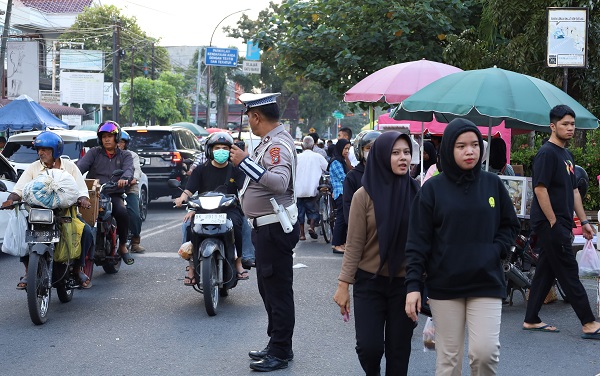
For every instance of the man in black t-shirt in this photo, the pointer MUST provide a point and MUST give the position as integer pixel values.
(556, 197)
(219, 175)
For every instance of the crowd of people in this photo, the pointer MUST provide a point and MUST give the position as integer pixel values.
(395, 225)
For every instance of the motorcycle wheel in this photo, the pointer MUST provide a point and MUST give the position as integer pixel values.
(38, 290)
(113, 264)
(210, 285)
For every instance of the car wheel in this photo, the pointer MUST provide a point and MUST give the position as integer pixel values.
(143, 204)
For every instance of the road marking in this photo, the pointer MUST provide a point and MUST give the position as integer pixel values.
(160, 229)
(158, 254)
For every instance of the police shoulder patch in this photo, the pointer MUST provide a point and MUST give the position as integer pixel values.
(275, 158)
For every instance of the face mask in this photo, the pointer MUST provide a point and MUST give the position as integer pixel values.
(366, 154)
(221, 155)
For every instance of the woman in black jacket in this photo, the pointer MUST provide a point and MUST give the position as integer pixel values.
(462, 224)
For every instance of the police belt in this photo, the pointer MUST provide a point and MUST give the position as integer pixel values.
(292, 212)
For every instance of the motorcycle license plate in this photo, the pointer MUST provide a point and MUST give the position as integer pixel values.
(210, 219)
(32, 236)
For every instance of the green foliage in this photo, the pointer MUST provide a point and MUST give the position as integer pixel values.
(151, 98)
(94, 27)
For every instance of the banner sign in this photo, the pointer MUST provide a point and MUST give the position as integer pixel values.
(22, 69)
(567, 37)
(85, 60)
(81, 87)
(252, 67)
(222, 57)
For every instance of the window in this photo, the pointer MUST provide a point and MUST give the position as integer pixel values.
(154, 140)
(23, 152)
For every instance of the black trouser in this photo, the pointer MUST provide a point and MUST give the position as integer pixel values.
(340, 228)
(557, 261)
(381, 324)
(275, 276)
(119, 211)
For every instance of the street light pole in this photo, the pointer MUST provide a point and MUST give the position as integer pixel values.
(208, 67)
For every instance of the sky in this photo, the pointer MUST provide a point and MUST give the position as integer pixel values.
(189, 22)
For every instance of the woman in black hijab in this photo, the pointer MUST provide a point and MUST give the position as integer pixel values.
(429, 159)
(374, 259)
(338, 168)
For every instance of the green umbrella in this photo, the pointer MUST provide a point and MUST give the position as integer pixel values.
(196, 129)
(489, 96)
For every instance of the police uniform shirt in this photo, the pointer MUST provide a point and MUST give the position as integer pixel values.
(271, 176)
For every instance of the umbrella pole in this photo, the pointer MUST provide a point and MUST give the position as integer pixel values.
(422, 136)
(371, 117)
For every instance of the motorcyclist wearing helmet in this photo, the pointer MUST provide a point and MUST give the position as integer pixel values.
(49, 147)
(216, 174)
(362, 145)
(133, 196)
(100, 162)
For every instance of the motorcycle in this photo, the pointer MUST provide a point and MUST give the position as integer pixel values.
(44, 273)
(106, 250)
(213, 248)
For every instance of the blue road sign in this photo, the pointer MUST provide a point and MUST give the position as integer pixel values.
(222, 57)
(252, 51)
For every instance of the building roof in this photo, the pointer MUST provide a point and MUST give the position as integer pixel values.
(57, 6)
(55, 109)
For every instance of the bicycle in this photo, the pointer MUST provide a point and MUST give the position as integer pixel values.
(326, 208)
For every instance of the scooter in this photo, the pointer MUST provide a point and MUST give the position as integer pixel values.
(213, 252)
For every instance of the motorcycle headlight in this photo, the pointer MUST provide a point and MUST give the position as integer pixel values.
(210, 202)
(37, 215)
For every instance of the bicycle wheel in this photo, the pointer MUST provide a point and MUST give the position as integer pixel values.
(325, 211)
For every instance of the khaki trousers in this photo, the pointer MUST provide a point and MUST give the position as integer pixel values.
(482, 318)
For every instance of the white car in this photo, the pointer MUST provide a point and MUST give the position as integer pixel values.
(8, 178)
(20, 153)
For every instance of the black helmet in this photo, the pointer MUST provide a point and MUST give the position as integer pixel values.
(364, 138)
(217, 138)
(582, 180)
(111, 127)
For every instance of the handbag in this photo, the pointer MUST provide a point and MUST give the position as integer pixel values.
(589, 263)
(14, 237)
(69, 245)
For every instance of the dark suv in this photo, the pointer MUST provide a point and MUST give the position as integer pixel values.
(164, 149)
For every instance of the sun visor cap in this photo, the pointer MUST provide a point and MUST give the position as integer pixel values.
(251, 100)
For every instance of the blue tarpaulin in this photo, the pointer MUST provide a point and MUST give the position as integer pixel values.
(24, 114)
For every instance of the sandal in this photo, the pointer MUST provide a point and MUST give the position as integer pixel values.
(312, 233)
(84, 281)
(127, 258)
(243, 275)
(22, 285)
(187, 280)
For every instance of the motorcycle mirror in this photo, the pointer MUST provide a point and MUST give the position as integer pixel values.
(173, 183)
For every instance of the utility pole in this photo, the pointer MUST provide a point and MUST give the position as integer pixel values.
(198, 87)
(116, 69)
(152, 74)
(131, 90)
(3, 45)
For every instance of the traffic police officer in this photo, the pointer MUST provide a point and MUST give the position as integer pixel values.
(270, 175)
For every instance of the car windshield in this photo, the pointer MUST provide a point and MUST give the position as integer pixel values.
(23, 152)
(156, 140)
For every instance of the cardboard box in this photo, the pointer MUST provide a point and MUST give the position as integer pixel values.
(90, 215)
(518, 169)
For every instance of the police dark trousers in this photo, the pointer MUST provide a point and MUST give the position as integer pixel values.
(557, 261)
(119, 211)
(381, 323)
(275, 277)
(340, 227)
(133, 209)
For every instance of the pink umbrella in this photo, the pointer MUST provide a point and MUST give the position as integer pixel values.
(395, 83)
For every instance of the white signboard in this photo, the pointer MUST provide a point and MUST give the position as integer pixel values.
(108, 93)
(72, 120)
(22, 69)
(567, 37)
(252, 67)
(80, 87)
(49, 96)
(86, 60)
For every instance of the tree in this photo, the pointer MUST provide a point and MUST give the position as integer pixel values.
(94, 27)
(182, 102)
(152, 99)
(339, 42)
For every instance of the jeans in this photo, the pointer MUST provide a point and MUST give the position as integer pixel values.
(133, 209)
(247, 246)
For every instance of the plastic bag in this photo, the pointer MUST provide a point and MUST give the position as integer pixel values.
(69, 245)
(185, 250)
(56, 189)
(589, 263)
(429, 335)
(14, 237)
